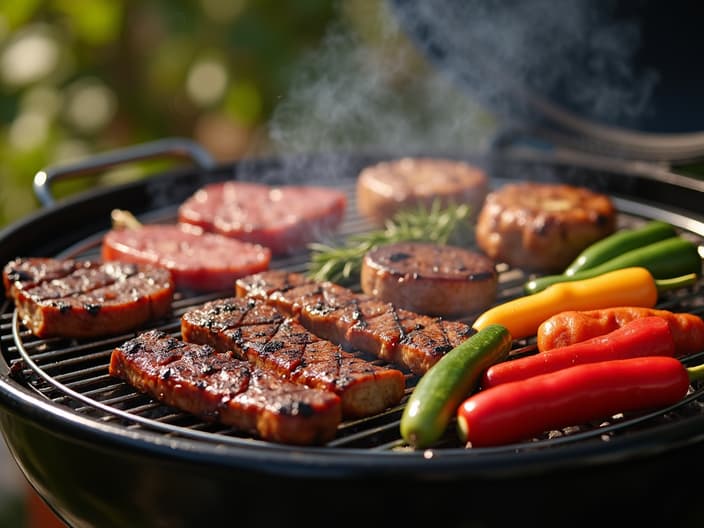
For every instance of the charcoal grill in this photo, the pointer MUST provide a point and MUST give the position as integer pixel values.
(102, 454)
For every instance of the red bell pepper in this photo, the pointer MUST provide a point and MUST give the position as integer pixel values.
(650, 336)
(577, 395)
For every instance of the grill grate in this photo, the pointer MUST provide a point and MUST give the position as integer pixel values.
(74, 374)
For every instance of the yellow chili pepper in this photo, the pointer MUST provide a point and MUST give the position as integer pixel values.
(633, 286)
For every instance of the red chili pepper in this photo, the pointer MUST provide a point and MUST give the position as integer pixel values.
(577, 395)
(573, 326)
(650, 336)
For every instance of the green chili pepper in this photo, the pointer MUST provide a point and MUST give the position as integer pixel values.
(667, 258)
(620, 242)
(434, 400)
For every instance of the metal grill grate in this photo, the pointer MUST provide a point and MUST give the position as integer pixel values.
(74, 374)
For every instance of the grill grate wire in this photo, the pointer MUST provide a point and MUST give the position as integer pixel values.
(74, 374)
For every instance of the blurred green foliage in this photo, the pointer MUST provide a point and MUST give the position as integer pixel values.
(83, 76)
(240, 77)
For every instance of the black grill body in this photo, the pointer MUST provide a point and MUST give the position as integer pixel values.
(102, 454)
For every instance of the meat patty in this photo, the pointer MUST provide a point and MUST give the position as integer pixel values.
(257, 332)
(429, 278)
(70, 298)
(356, 321)
(218, 387)
(198, 261)
(283, 218)
(389, 186)
(541, 226)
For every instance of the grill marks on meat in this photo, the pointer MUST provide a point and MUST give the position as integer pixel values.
(216, 386)
(259, 333)
(67, 298)
(357, 321)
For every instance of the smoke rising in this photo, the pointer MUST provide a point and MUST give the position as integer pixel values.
(488, 59)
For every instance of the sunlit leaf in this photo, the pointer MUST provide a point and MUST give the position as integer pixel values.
(94, 21)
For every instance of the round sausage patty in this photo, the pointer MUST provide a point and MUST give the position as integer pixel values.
(542, 226)
(389, 186)
(431, 279)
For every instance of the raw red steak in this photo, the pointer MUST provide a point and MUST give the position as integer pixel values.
(283, 218)
(198, 261)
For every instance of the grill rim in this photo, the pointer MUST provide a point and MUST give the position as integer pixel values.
(322, 461)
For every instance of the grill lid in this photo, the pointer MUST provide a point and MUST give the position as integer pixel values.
(614, 77)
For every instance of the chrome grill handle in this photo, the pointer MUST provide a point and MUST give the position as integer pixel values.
(163, 148)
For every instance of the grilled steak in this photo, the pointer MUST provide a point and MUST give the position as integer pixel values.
(198, 261)
(68, 298)
(259, 333)
(215, 386)
(432, 279)
(542, 226)
(283, 218)
(357, 321)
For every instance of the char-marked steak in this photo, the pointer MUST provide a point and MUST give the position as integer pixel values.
(215, 386)
(70, 298)
(259, 333)
(357, 321)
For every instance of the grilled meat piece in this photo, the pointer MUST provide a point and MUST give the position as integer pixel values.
(25, 273)
(542, 226)
(283, 218)
(67, 298)
(215, 386)
(257, 332)
(198, 261)
(385, 188)
(432, 279)
(358, 321)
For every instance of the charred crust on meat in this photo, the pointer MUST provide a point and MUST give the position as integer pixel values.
(16, 275)
(133, 346)
(208, 370)
(442, 349)
(297, 408)
(358, 315)
(236, 337)
(321, 308)
(165, 373)
(62, 306)
(272, 346)
(92, 308)
(394, 314)
(399, 256)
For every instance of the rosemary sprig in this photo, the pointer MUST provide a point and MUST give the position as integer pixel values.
(442, 225)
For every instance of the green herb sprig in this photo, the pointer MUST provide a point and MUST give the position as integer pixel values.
(442, 225)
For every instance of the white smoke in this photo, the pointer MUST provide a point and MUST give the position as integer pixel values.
(351, 96)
